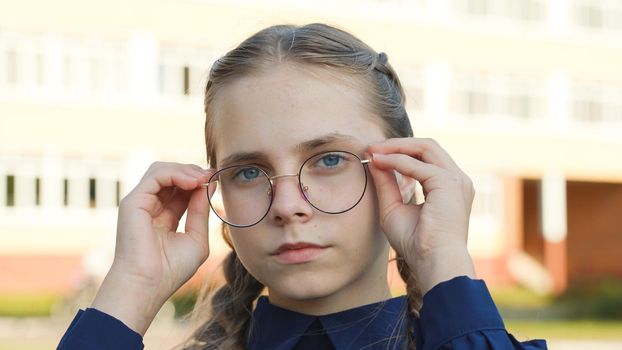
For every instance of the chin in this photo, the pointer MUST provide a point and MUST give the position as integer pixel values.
(304, 286)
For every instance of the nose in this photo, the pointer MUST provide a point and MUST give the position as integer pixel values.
(288, 201)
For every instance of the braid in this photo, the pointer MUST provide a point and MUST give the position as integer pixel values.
(413, 298)
(381, 63)
(231, 310)
(393, 100)
(388, 84)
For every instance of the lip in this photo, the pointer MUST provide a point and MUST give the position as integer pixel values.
(298, 253)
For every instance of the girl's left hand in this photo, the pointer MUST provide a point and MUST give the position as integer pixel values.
(431, 236)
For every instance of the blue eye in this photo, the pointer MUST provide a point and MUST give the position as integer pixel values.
(248, 174)
(331, 160)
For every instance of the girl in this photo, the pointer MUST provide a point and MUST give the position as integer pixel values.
(313, 156)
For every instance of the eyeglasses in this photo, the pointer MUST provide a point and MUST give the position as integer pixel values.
(332, 182)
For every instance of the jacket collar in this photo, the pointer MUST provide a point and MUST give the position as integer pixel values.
(374, 326)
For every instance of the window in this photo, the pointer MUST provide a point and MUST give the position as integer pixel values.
(118, 190)
(107, 65)
(173, 74)
(521, 10)
(92, 193)
(186, 80)
(39, 70)
(182, 71)
(588, 111)
(483, 94)
(488, 200)
(415, 98)
(37, 191)
(588, 14)
(598, 14)
(11, 67)
(526, 10)
(198, 79)
(65, 192)
(518, 105)
(10, 190)
(469, 95)
(478, 7)
(487, 213)
(598, 103)
(95, 77)
(412, 81)
(172, 79)
(476, 102)
(75, 72)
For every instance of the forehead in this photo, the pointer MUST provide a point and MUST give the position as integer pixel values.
(275, 111)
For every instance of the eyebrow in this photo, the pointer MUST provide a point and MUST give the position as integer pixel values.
(334, 137)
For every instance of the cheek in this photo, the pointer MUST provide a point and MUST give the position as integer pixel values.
(372, 219)
(247, 247)
(369, 206)
(363, 224)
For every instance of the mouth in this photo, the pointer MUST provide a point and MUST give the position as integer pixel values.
(298, 253)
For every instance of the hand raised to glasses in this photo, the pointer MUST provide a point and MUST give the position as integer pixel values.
(431, 236)
(151, 259)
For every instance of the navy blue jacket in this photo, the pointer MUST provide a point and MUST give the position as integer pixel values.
(457, 314)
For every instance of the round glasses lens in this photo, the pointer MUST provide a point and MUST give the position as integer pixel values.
(333, 182)
(245, 193)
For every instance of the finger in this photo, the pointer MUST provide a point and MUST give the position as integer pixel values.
(194, 168)
(387, 189)
(391, 207)
(158, 184)
(163, 175)
(423, 172)
(174, 209)
(189, 169)
(198, 215)
(176, 205)
(166, 194)
(176, 199)
(424, 149)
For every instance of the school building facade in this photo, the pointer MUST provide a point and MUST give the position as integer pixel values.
(525, 95)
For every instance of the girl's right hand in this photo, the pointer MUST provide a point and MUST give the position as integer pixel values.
(151, 259)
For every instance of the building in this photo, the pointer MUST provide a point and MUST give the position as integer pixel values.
(525, 94)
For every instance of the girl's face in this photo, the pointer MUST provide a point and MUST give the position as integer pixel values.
(270, 116)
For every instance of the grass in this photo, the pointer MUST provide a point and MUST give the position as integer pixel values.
(513, 297)
(527, 315)
(26, 305)
(21, 344)
(576, 315)
(566, 329)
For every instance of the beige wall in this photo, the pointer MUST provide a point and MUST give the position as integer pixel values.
(138, 124)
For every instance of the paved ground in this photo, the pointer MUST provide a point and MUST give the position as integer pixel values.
(40, 334)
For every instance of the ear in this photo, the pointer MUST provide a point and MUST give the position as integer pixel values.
(408, 188)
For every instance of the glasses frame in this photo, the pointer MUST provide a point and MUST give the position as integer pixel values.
(300, 186)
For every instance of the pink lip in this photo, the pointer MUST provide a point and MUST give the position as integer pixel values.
(298, 253)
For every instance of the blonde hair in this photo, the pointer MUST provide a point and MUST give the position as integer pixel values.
(316, 45)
